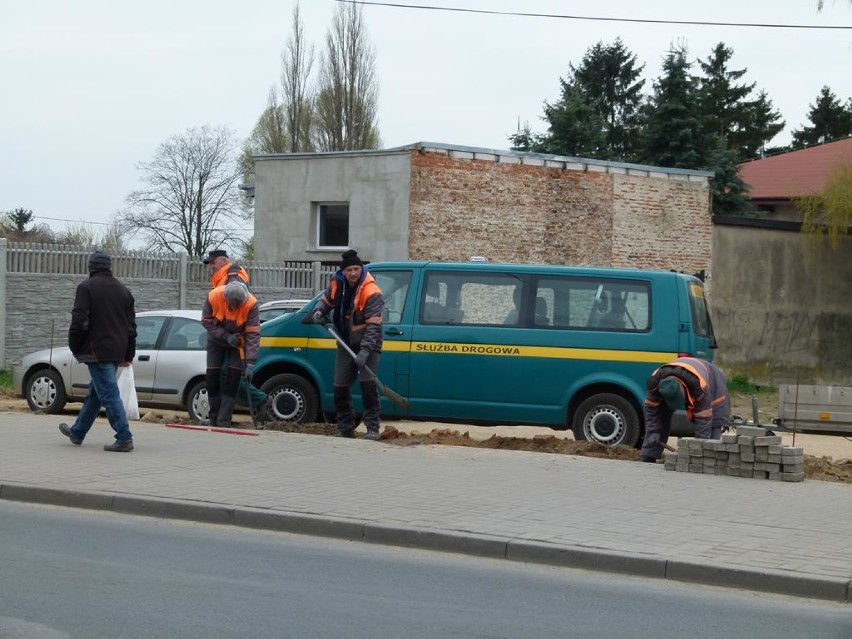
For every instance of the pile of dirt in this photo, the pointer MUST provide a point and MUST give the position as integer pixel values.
(821, 468)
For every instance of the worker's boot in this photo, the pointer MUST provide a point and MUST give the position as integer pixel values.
(343, 408)
(225, 412)
(372, 408)
(214, 390)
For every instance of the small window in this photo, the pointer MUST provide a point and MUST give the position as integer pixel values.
(332, 225)
(185, 335)
(148, 330)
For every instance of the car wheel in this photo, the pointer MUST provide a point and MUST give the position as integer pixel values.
(196, 402)
(291, 399)
(45, 391)
(607, 418)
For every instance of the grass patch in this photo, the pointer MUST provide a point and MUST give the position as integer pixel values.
(6, 380)
(742, 385)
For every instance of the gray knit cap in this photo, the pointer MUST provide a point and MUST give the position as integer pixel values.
(236, 293)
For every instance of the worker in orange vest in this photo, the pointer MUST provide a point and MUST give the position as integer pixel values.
(232, 321)
(357, 305)
(689, 383)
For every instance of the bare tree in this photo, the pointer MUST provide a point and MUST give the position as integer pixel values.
(285, 125)
(191, 202)
(296, 63)
(346, 109)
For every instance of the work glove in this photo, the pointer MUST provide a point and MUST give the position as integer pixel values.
(233, 340)
(361, 358)
(319, 318)
(249, 372)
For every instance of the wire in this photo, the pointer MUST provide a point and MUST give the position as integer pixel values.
(397, 5)
(62, 219)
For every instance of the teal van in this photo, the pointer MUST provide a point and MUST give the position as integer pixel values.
(474, 342)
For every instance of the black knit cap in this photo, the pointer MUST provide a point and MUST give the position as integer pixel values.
(212, 255)
(350, 258)
(99, 261)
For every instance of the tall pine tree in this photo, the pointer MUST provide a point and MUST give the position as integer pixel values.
(673, 133)
(830, 120)
(744, 125)
(597, 113)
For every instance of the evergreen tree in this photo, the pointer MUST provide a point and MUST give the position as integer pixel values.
(730, 193)
(744, 125)
(673, 132)
(597, 113)
(765, 123)
(830, 120)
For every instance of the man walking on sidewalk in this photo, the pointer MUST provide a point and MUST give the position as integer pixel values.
(102, 335)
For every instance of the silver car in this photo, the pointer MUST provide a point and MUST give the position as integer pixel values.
(169, 367)
(277, 308)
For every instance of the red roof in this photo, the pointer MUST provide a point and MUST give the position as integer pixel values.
(795, 173)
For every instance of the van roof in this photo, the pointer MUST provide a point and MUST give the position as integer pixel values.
(527, 268)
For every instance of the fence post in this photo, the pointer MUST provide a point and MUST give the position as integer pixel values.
(181, 280)
(316, 277)
(3, 256)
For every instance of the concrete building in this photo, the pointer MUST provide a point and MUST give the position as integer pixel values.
(449, 202)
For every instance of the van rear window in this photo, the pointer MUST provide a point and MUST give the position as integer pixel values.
(597, 303)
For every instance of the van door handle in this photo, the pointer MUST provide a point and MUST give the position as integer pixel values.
(393, 331)
(144, 358)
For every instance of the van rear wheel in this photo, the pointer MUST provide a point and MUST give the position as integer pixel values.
(606, 418)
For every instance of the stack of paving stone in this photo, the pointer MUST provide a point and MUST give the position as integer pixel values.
(748, 453)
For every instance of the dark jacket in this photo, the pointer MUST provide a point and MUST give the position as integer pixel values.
(103, 322)
(707, 400)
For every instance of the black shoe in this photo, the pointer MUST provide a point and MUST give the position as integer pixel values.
(348, 434)
(373, 435)
(650, 460)
(65, 430)
(120, 447)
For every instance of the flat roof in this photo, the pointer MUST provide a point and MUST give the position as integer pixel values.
(509, 157)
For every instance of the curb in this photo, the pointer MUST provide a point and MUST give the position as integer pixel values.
(836, 589)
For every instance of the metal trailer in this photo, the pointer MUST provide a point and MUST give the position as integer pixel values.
(814, 409)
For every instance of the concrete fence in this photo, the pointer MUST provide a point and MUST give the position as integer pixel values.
(38, 282)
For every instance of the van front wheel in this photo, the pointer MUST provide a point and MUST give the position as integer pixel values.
(291, 399)
(606, 418)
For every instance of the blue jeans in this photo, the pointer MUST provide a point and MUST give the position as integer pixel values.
(103, 391)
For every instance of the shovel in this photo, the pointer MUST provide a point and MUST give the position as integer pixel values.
(396, 398)
(246, 381)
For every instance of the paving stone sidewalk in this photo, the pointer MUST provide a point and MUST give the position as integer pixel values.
(792, 538)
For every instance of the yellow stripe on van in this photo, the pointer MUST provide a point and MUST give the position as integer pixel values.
(284, 342)
(550, 352)
(499, 350)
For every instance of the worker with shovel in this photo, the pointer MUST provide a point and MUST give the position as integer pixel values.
(357, 305)
(689, 383)
(232, 321)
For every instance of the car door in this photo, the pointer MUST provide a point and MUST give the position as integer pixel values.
(148, 330)
(181, 357)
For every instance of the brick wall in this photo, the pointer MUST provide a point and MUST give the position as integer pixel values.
(513, 212)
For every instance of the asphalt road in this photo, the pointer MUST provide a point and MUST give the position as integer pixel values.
(69, 573)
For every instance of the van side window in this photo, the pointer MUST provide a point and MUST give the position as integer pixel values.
(470, 298)
(594, 303)
(394, 286)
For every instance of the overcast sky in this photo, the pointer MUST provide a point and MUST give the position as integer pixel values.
(92, 87)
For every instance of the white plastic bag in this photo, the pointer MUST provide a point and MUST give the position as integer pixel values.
(127, 390)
